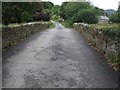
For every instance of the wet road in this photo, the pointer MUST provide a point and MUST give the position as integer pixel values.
(56, 58)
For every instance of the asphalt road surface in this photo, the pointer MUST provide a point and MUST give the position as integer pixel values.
(0, 60)
(56, 58)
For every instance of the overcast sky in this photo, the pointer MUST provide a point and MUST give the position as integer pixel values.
(104, 4)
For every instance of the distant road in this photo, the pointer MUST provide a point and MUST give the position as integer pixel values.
(56, 58)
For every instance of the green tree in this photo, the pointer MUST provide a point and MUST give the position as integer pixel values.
(82, 11)
(116, 17)
(26, 17)
(86, 16)
(18, 12)
(68, 9)
(47, 5)
(118, 12)
(55, 10)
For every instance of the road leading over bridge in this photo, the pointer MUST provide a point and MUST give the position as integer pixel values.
(56, 58)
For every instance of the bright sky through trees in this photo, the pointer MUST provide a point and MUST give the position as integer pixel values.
(104, 4)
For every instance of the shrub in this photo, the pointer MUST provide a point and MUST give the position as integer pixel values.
(41, 17)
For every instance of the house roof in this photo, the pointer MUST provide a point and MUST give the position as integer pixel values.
(104, 17)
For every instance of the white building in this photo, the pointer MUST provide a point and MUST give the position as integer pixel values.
(103, 19)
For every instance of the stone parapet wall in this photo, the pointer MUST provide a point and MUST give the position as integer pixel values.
(12, 35)
(105, 40)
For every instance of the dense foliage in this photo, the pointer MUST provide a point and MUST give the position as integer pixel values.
(41, 17)
(85, 15)
(80, 12)
(116, 17)
(55, 10)
(18, 12)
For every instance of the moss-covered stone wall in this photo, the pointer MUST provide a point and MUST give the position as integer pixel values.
(11, 35)
(104, 38)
